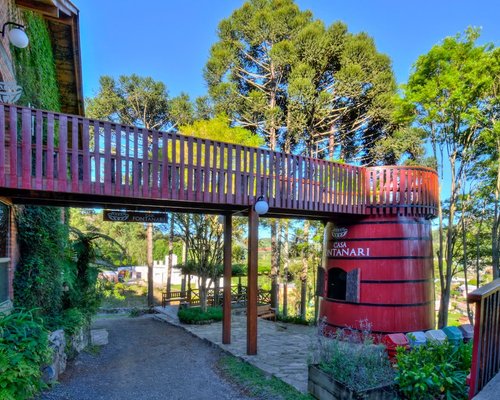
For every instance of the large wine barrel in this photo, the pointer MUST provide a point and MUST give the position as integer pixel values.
(378, 269)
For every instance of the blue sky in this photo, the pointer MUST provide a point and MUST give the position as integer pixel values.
(170, 40)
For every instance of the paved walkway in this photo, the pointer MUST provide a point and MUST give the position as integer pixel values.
(282, 349)
(491, 390)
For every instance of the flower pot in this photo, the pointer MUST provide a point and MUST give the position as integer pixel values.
(324, 387)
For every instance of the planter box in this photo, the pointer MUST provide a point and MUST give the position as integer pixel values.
(323, 387)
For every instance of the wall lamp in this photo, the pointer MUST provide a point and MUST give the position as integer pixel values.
(16, 35)
(261, 207)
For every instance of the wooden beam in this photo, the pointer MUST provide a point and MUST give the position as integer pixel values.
(253, 237)
(226, 307)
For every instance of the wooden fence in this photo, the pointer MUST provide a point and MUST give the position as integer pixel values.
(486, 350)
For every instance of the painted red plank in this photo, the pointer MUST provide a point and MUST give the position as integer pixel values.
(213, 186)
(164, 166)
(206, 171)
(26, 148)
(288, 177)
(136, 167)
(2, 145)
(155, 178)
(191, 195)
(97, 158)
(237, 171)
(63, 154)
(118, 160)
(182, 169)
(13, 146)
(86, 156)
(74, 155)
(145, 163)
(271, 196)
(277, 181)
(198, 183)
(108, 170)
(175, 179)
(128, 173)
(251, 177)
(38, 150)
(222, 174)
(229, 193)
(50, 151)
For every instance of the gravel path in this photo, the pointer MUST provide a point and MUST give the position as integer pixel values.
(145, 359)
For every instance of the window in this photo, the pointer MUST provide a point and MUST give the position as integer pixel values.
(337, 284)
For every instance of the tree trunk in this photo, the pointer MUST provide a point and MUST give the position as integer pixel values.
(170, 256)
(149, 239)
(286, 264)
(274, 264)
(464, 249)
(495, 233)
(203, 294)
(184, 261)
(304, 271)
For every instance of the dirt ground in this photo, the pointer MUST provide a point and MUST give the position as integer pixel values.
(145, 359)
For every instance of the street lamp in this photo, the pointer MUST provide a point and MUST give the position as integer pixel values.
(261, 206)
(16, 35)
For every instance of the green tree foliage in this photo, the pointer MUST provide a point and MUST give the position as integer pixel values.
(248, 67)
(219, 129)
(450, 93)
(131, 100)
(43, 247)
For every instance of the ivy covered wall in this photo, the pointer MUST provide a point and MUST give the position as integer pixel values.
(35, 68)
(42, 237)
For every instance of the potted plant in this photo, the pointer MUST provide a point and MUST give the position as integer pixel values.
(347, 365)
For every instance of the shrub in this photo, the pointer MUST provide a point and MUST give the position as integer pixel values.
(295, 319)
(434, 371)
(194, 315)
(24, 350)
(352, 358)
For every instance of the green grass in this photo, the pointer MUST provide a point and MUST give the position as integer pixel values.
(255, 383)
(453, 319)
(194, 315)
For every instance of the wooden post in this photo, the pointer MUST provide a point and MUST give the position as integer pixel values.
(253, 228)
(226, 307)
(149, 239)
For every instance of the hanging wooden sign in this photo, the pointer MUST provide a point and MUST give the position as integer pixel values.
(133, 216)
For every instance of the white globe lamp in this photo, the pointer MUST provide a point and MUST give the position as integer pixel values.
(16, 35)
(261, 207)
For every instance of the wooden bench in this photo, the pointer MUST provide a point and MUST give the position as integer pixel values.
(266, 312)
(174, 296)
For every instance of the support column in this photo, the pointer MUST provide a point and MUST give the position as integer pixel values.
(253, 228)
(226, 306)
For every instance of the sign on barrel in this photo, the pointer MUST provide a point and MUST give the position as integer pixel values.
(134, 216)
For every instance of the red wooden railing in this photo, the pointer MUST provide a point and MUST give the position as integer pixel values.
(486, 349)
(64, 154)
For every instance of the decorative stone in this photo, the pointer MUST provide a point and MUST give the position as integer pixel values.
(57, 342)
(99, 337)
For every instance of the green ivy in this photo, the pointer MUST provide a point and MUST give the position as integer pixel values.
(35, 66)
(23, 349)
(42, 240)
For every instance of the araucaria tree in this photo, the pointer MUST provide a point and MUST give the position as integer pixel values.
(303, 87)
(451, 94)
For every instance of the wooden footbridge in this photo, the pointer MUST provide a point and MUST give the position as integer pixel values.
(49, 158)
(59, 159)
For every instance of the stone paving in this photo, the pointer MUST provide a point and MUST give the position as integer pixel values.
(282, 349)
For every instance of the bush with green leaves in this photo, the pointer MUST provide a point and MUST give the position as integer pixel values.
(194, 315)
(434, 371)
(24, 350)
